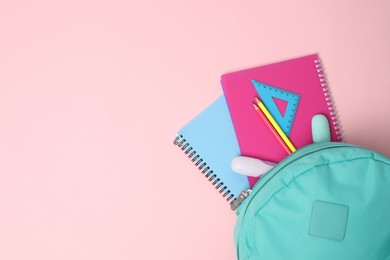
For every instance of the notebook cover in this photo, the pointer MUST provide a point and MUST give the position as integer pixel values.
(210, 142)
(301, 76)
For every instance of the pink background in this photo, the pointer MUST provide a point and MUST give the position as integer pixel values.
(92, 93)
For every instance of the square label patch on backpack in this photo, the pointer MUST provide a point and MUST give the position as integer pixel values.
(328, 220)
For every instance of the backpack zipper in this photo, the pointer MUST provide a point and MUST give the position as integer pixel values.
(237, 202)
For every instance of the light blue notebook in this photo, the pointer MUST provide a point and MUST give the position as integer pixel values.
(210, 142)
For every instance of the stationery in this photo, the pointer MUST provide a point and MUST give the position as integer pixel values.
(209, 141)
(275, 126)
(273, 130)
(293, 91)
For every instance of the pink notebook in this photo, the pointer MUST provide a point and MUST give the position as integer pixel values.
(293, 91)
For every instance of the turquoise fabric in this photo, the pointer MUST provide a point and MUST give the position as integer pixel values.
(325, 201)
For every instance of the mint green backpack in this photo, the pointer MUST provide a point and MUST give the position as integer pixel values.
(325, 201)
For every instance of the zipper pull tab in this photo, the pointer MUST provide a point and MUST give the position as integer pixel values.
(237, 202)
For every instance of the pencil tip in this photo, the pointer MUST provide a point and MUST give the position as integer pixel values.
(257, 100)
(255, 106)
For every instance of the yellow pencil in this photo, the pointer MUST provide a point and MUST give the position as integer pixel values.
(275, 125)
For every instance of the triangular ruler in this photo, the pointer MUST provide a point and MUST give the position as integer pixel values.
(267, 94)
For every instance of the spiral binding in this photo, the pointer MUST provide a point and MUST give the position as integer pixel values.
(202, 166)
(328, 97)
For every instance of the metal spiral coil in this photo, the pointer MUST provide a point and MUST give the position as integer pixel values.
(334, 119)
(202, 166)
